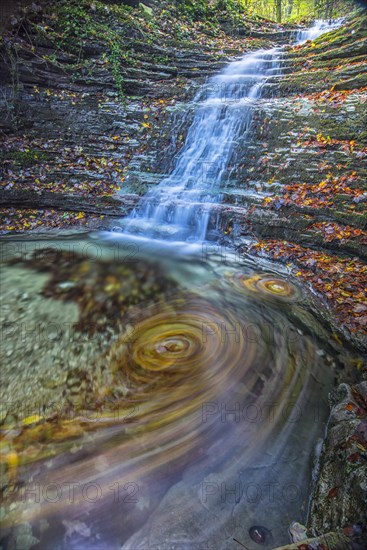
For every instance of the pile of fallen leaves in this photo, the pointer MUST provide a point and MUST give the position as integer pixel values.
(39, 165)
(331, 96)
(347, 146)
(12, 219)
(318, 195)
(336, 232)
(341, 281)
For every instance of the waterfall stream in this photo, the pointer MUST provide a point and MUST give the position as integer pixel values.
(179, 207)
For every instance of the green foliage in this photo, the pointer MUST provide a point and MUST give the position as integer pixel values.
(195, 9)
(25, 158)
(284, 10)
(115, 56)
(76, 21)
(231, 6)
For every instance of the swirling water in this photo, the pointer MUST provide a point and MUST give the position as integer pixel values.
(200, 416)
(203, 415)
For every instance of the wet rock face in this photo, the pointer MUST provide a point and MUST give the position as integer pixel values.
(340, 496)
(63, 106)
(302, 142)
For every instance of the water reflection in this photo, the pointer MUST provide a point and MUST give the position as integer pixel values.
(193, 419)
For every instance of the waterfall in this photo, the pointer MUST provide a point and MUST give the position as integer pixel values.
(319, 27)
(179, 207)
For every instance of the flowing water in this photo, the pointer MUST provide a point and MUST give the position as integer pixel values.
(183, 405)
(178, 208)
(318, 28)
(196, 420)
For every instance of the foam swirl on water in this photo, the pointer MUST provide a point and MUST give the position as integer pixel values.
(178, 358)
(269, 287)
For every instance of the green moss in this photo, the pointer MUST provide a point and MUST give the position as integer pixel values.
(29, 157)
(75, 27)
(333, 63)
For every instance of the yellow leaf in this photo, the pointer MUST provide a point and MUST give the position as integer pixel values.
(31, 419)
(80, 215)
(12, 459)
(337, 339)
(359, 364)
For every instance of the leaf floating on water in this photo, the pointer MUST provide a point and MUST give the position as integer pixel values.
(267, 286)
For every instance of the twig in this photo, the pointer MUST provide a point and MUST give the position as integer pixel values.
(240, 543)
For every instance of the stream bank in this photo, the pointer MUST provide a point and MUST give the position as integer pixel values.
(304, 176)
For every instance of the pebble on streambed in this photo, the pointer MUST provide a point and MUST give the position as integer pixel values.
(260, 534)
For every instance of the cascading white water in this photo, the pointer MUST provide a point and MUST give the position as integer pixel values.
(179, 207)
(319, 27)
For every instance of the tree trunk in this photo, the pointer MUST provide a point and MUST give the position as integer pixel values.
(290, 8)
(329, 8)
(279, 10)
